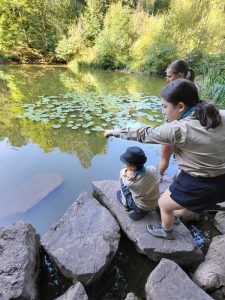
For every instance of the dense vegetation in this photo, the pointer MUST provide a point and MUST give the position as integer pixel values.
(137, 35)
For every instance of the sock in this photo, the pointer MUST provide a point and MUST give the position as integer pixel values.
(167, 230)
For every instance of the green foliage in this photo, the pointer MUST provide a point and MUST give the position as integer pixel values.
(154, 6)
(160, 56)
(82, 34)
(113, 43)
(140, 35)
(29, 29)
(211, 80)
(193, 25)
(74, 43)
(195, 58)
(149, 30)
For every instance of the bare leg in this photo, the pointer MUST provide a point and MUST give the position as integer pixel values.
(169, 208)
(183, 212)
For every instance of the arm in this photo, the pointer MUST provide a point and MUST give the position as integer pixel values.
(161, 134)
(127, 175)
(166, 152)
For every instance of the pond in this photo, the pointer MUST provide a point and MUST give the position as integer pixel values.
(52, 119)
(51, 123)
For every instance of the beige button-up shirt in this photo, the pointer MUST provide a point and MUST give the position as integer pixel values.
(144, 188)
(199, 152)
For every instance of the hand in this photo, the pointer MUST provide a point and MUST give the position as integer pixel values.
(108, 133)
(130, 175)
(123, 172)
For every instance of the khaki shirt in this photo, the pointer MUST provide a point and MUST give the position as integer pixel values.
(199, 152)
(144, 188)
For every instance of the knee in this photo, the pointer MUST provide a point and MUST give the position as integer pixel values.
(165, 206)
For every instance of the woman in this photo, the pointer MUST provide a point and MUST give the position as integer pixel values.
(176, 70)
(196, 132)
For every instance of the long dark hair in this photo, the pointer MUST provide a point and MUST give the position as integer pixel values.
(183, 90)
(181, 66)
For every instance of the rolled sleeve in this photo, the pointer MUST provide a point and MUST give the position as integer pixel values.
(164, 134)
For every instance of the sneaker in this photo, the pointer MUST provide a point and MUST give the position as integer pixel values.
(122, 199)
(136, 215)
(158, 231)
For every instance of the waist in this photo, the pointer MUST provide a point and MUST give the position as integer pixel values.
(207, 179)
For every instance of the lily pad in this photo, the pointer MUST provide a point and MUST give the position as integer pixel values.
(56, 126)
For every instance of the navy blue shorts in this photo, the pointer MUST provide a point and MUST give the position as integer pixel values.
(198, 193)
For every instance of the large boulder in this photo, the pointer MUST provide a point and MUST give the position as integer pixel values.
(210, 274)
(219, 221)
(19, 262)
(75, 292)
(169, 282)
(84, 241)
(182, 249)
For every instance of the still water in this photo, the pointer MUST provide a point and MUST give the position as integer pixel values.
(34, 142)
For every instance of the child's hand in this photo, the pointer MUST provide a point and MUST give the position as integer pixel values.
(123, 172)
(108, 133)
(130, 175)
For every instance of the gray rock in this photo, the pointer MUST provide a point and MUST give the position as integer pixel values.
(182, 249)
(219, 221)
(131, 296)
(210, 274)
(75, 292)
(19, 262)
(169, 282)
(84, 241)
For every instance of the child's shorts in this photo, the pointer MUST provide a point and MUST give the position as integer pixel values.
(198, 193)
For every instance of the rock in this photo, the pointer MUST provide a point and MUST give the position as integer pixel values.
(31, 192)
(131, 296)
(182, 249)
(19, 262)
(219, 221)
(169, 281)
(165, 183)
(210, 274)
(75, 292)
(84, 241)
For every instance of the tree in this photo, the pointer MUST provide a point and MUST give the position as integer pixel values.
(113, 43)
(31, 28)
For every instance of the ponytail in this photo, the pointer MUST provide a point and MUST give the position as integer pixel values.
(191, 74)
(208, 114)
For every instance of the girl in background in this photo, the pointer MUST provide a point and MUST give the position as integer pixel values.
(176, 70)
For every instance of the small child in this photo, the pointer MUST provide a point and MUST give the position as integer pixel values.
(139, 184)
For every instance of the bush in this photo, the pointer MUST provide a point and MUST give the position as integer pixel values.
(149, 32)
(160, 57)
(113, 43)
(73, 44)
(212, 83)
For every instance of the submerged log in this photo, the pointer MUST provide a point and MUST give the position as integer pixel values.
(31, 192)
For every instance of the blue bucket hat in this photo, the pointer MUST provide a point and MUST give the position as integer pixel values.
(133, 156)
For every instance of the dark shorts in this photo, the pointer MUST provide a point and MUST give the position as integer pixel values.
(198, 193)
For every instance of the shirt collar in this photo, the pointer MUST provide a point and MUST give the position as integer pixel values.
(187, 113)
(140, 171)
